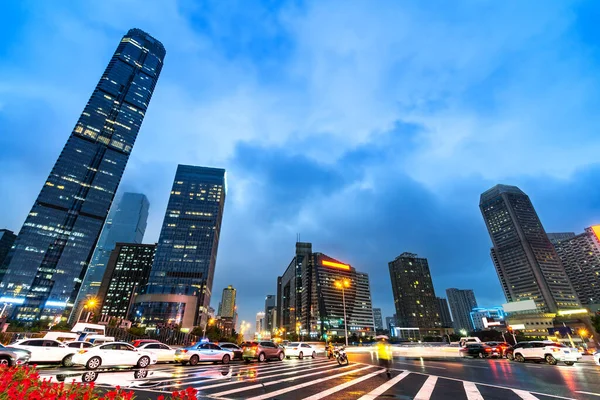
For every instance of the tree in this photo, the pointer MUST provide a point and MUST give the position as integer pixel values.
(596, 323)
(61, 326)
(137, 331)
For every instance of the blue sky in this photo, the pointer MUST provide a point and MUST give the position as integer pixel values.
(370, 129)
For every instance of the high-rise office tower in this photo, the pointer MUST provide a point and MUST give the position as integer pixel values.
(314, 288)
(390, 323)
(269, 305)
(57, 239)
(580, 255)
(228, 302)
(7, 239)
(377, 318)
(444, 312)
(414, 296)
(125, 275)
(181, 279)
(125, 223)
(560, 236)
(260, 322)
(526, 261)
(461, 302)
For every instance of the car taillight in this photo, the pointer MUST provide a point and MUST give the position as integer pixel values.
(554, 350)
(295, 348)
(488, 350)
(82, 351)
(184, 351)
(495, 349)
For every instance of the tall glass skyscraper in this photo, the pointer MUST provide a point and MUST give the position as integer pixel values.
(181, 279)
(57, 239)
(462, 302)
(125, 223)
(527, 264)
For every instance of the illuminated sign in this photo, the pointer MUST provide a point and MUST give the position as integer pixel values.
(596, 230)
(12, 300)
(518, 326)
(570, 312)
(51, 303)
(326, 263)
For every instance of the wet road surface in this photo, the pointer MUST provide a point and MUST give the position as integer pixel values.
(362, 379)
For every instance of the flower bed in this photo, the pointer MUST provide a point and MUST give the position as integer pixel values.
(20, 383)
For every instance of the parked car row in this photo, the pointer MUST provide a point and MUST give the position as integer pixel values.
(537, 351)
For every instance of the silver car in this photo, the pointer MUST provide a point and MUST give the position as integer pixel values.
(21, 356)
(203, 352)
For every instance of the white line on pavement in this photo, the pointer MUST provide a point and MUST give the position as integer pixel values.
(593, 394)
(343, 386)
(471, 391)
(303, 385)
(524, 394)
(427, 389)
(382, 389)
(256, 379)
(220, 394)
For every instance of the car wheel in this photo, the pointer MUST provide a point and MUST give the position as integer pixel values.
(140, 374)
(281, 356)
(261, 357)
(143, 362)
(480, 355)
(510, 357)
(550, 359)
(225, 359)
(93, 363)
(5, 361)
(569, 363)
(89, 376)
(194, 360)
(67, 361)
(314, 354)
(300, 356)
(519, 357)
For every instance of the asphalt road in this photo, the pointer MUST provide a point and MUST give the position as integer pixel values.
(362, 379)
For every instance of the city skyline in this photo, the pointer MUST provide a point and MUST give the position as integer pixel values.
(382, 173)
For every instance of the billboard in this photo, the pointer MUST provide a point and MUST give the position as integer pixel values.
(525, 305)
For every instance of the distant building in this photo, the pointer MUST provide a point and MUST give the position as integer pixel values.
(560, 237)
(377, 319)
(270, 301)
(526, 261)
(461, 302)
(126, 223)
(444, 312)
(56, 242)
(7, 239)
(580, 255)
(390, 323)
(126, 273)
(414, 295)
(181, 279)
(310, 303)
(488, 318)
(228, 302)
(260, 322)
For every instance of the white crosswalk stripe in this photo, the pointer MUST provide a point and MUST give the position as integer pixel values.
(313, 379)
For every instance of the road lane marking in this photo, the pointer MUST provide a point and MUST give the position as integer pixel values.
(593, 394)
(383, 388)
(471, 391)
(270, 383)
(427, 389)
(419, 365)
(343, 386)
(525, 395)
(303, 385)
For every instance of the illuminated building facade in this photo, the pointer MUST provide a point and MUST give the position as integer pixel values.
(180, 284)
(580, 255)
(227, 309)
(461, 302)
(125, 223)
(414, 295)
(445, 316)
(126, 273)
(377, 319)
(488, 318)
(311, 305)
(58, 237)
(526, 261)
(269, 307)
(7, 239)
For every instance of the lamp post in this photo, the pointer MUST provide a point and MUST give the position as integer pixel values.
(210, 321)
(89, 304)
(345, 283)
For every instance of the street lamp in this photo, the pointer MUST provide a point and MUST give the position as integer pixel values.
(209, 322)
(345, 283)
(89, 304)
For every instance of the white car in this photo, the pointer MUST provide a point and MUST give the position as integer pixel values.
(203, 352)
(300, 350)
(549, 351)
(47, 351)
(112, 355)
(163, 352)
(597, 357)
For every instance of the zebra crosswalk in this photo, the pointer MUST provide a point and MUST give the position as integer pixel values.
(310, 379)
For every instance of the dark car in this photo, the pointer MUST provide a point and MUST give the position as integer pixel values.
(139, 342)
(237, 350)
(476, 350)
(498, 348)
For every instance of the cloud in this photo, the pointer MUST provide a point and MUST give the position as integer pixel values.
(369, 130)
